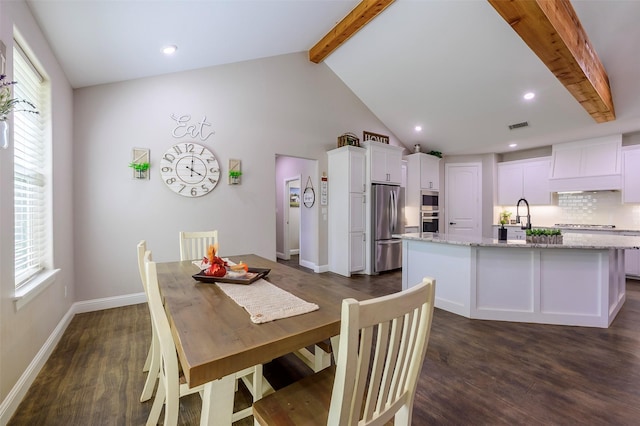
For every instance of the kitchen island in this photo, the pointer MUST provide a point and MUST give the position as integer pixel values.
(580, 282)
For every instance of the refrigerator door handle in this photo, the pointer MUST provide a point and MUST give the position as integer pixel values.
(394, 211)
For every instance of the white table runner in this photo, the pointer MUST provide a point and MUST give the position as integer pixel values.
(265, 302)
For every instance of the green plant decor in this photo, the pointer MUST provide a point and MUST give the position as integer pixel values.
(504, 217)
(435, 153)
(141, 168)
(235, 173)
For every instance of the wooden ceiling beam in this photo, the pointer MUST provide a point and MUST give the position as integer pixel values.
(551, 29)
(360, 16)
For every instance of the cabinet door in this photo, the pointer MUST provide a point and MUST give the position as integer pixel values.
(394, 166)
(356, 172)
(509, 183)
(632, 262)
(430, 172)
(357, 251)
(631, 177)
(356, 212)
(535, 182)
(378, 165)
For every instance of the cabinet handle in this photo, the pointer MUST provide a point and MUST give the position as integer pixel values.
(452, 223)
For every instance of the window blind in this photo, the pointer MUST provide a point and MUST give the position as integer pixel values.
(29, 171)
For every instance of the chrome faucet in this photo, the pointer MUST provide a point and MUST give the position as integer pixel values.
(528, 225)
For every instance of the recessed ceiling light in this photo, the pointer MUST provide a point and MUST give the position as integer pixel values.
(513, 145)
(529, 95)
(418, 128)
(169, 50)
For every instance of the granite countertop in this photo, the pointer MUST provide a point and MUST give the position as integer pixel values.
(570, 241)
(577, 228)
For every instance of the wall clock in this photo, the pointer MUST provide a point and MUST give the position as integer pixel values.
(189, 169)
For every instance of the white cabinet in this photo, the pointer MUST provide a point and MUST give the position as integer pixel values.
(423, 172)
(385, 162)
(632, 259)
(346, 207)
(631, 176)
(527, 179)
(429, 172)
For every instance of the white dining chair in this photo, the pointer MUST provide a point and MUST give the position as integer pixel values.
(194, 245)
(152, 363)
(383, 342)
(171, 386)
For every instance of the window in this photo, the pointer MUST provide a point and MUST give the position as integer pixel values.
(31, 172)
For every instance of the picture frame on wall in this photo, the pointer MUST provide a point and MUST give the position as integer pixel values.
(294, 197)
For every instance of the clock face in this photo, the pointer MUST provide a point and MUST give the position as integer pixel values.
(190, 169)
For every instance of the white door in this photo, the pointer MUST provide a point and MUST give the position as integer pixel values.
(463, 194)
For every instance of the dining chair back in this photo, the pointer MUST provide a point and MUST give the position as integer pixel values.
(152, 363)
(194, 245)
(383, 342)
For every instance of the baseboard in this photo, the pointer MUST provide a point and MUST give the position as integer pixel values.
(19, 390)
(109, 302)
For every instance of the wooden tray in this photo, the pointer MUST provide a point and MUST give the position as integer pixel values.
(253, 274)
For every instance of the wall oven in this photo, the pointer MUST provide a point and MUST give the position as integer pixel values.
(430, 221)
(429, 201)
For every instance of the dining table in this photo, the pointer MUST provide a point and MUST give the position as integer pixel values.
(215, 337)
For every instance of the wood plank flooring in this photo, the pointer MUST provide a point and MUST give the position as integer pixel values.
(476, 372)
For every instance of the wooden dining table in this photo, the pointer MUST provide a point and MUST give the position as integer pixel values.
(215, 337)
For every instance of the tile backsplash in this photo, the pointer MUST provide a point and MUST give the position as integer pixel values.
(587, 208)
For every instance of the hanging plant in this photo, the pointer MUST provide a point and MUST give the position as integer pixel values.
(141, 168)
(9, 104)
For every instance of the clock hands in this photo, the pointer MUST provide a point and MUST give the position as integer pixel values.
(194, 171)
(192, 166)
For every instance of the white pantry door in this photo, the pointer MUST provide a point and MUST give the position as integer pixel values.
(463, 194)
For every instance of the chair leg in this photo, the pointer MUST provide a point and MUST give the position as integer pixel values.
(154, 369)
(156, 408)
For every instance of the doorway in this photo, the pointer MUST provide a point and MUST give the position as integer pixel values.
(291, 209)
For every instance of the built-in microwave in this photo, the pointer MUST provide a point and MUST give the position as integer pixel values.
(430, 221)
(429, 201)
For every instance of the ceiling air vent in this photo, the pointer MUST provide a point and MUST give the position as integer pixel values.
(518, 125)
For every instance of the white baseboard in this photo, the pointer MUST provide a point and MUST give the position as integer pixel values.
(19, 390)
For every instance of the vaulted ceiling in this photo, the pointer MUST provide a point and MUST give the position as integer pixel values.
(456, 68)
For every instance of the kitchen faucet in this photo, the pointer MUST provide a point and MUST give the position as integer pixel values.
(528, 226)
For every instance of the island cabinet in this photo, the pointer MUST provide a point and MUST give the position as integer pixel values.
(346, 208)
(385, 162)
(580, 282)
(632, 259)
(631, 176)
(527, 179)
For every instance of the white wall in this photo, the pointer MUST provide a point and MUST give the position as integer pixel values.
(24, 332)
(282, 105)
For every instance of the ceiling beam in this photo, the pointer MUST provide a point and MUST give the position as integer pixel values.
(553, 31)
(360, 16)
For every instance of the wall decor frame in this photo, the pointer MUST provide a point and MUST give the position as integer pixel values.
(369, 136)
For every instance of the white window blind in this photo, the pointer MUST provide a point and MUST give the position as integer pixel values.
(30, 177)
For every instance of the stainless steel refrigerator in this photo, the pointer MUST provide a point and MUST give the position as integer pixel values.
(387, 219)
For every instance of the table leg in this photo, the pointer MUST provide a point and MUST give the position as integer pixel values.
(217, 402)
(335, 346)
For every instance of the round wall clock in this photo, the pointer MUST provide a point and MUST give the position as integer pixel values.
(189, 169)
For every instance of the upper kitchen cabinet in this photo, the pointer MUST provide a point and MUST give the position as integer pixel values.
(589, 165)
(527, 179)
(631, 176)
(423, 170)
(385, 162)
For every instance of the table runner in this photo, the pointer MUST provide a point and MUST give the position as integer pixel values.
(266, 302)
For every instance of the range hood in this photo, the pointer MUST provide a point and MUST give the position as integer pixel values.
(587, 165)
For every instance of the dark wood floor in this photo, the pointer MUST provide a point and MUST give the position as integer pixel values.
(475, 373)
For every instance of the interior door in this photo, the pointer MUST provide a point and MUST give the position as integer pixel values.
(463, 195)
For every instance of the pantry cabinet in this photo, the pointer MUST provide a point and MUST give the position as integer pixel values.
(346, 209)
(385, 162)
(527, 179)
